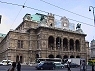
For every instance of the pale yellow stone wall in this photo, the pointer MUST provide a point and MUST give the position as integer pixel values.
(36, 38)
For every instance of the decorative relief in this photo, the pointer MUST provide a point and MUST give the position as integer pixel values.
(43, 43)
(64, 22)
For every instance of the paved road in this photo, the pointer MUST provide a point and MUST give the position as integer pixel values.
(31, 68)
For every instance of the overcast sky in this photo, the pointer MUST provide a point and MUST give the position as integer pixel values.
(12, 15)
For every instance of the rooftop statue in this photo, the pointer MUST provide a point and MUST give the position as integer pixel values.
(78, 26)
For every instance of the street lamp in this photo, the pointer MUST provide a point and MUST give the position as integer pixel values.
(0, 18)
(93, 12)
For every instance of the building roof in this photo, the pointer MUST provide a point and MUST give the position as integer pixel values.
(93, 41)
(2, 35)
(36, 17)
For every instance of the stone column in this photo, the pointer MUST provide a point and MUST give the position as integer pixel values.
(68, 45)
(62, 44)
(54, 47)
(74, 46)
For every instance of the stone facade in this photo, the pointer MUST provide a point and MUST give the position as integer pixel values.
(32, 39)
(92, 48)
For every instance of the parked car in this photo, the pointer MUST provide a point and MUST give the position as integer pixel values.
(72, 65)
(58, 65)
(45, 65)
(6, 62)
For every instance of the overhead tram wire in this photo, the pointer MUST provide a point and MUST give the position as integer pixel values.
(58, 16)
(65, 9)
(11, 3)
(44, 12)
(18, 14)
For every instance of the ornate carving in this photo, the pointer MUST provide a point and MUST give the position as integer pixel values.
(43, 43)
(64, 22)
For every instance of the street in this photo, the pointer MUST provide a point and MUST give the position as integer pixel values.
(32, 68)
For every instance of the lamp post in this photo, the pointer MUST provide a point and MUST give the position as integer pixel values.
(93, 12)
(0, 18)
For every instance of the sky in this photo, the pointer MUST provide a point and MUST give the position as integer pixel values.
(12, 15)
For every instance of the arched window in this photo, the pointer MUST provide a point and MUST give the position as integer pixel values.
(65, 56)
(77, 56)
(37, 55)
(71, 56)
(65, 44)
(51, 42)
(51, 56)
(58, 56)
(77, 45)
(71, 44)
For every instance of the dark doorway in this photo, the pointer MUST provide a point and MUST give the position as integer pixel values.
(65, 44)
(65, 56)
(37, 55)
(17, 58)
(71, 56)
(77, 56)
(51, 42)
(71, 44)
(21, 59)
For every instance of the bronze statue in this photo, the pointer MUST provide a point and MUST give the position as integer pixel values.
(78, 26)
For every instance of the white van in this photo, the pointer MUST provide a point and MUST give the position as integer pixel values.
(6, 62)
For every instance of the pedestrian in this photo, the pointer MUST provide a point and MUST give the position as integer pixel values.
(84, 66)
(18, 66)
(13, 68)
(92, 67)
(68, 66)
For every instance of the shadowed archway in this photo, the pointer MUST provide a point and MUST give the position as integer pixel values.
(65, 56)
(77, 56)
(58, 56)
(71, 56)
(51, 56)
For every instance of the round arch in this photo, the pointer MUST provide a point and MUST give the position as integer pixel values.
(37, 55)
(65, 44)
(77, 45)
(77, 56)
(71, 41)
(71, 56)
(51, 42)
(58, 56)
(65, 56)
(51, 56)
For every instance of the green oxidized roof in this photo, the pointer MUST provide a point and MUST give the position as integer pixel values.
(2, 35)
(36, 17)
